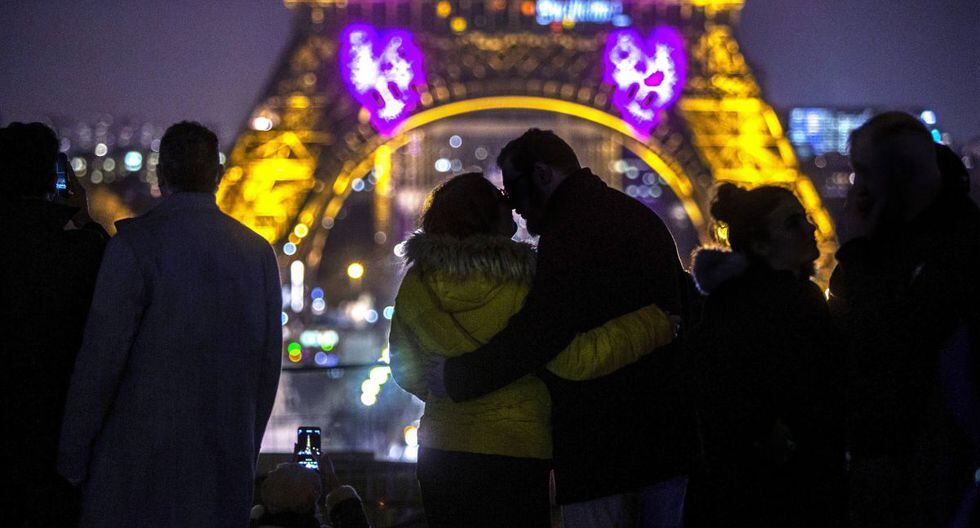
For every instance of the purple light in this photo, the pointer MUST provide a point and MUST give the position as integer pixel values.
(648, 76)
(383, 71)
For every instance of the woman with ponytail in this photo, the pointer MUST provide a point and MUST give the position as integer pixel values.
(766, 372)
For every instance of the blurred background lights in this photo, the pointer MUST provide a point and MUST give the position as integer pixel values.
(368, 399)
(371, 316)
(369, 386)
(316, 293)
(301, 230)
(318, 305)
(133, 161)
(928, 117)
(443, 9)
(443, 165)
(379, 375)
(355, 270)
(289, 248)
(411, 434)
(388, 312)
(262, 123)
(455, 141)
(101, 150)
(296, 276)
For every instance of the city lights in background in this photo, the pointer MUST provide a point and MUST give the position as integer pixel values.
(133, 161)
(577, 11)
(262, 123)
(297, 273)
(377, 377)
(383, 71)
(648, 76)
(355, 270)
(816, 131)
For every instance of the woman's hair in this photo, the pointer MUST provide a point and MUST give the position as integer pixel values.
(464, 206)
(746, 212)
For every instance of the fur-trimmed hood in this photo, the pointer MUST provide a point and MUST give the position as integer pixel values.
(713, 267)
(463, 273)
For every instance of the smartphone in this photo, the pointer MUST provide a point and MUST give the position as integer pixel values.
(61, 169)
(307, 449)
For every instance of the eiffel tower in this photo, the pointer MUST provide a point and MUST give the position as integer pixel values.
(360, 77)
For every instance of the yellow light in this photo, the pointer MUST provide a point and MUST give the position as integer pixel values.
(355, 270)
(443, 9)
(379, 375)
(568, 23)
(295, 357)
(299, 101)
(678, 183)
(527, 8)
(371, 387)
(411, 434)
(301, 230)
(721, 233)
(458, 24)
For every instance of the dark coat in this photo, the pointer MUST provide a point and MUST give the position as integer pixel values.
(768, 374)
(178, 371)
(899, 298)
(601, 255)
(47, 275)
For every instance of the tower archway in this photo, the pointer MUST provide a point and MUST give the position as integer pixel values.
(696, 119)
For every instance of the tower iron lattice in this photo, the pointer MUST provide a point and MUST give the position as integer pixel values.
(310, 136)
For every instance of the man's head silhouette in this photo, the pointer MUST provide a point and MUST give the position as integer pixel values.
(189, 159)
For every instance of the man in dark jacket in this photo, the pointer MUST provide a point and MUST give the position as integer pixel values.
(903, 287)
(601, 254)
(179, 367)
(50, 252)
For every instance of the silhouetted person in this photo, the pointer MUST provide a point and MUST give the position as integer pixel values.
(50, 252)
(180, 362)
(904, 285)
(621, 442)
(294, 496)
(486, 462)
(768, 372)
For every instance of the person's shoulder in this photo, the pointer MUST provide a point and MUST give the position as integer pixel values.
(412, 288)
(244, 234)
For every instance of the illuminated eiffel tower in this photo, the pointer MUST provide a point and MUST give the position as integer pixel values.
(664, 78)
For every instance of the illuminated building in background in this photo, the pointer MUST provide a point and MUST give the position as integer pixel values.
(376, 103)
(819, 136)
(115, 159)
(816, 131)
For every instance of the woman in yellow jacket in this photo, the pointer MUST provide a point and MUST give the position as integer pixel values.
(485, 462)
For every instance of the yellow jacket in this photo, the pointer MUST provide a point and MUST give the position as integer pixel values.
(457, 295)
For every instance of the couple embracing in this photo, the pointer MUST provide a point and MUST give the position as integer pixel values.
(561, 359)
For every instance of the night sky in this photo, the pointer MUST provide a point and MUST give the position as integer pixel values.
(163, 61)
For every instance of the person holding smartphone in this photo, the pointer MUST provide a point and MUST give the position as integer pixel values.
(50, 251)
(305, 493)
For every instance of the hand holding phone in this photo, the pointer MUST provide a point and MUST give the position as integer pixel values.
(307, 448)
(69, 191)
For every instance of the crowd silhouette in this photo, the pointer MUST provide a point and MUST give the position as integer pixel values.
(586, 381)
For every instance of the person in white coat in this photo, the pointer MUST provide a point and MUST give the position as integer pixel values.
(180, 362)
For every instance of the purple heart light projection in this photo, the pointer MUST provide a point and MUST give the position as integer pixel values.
(648, 76)
(383, 70)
